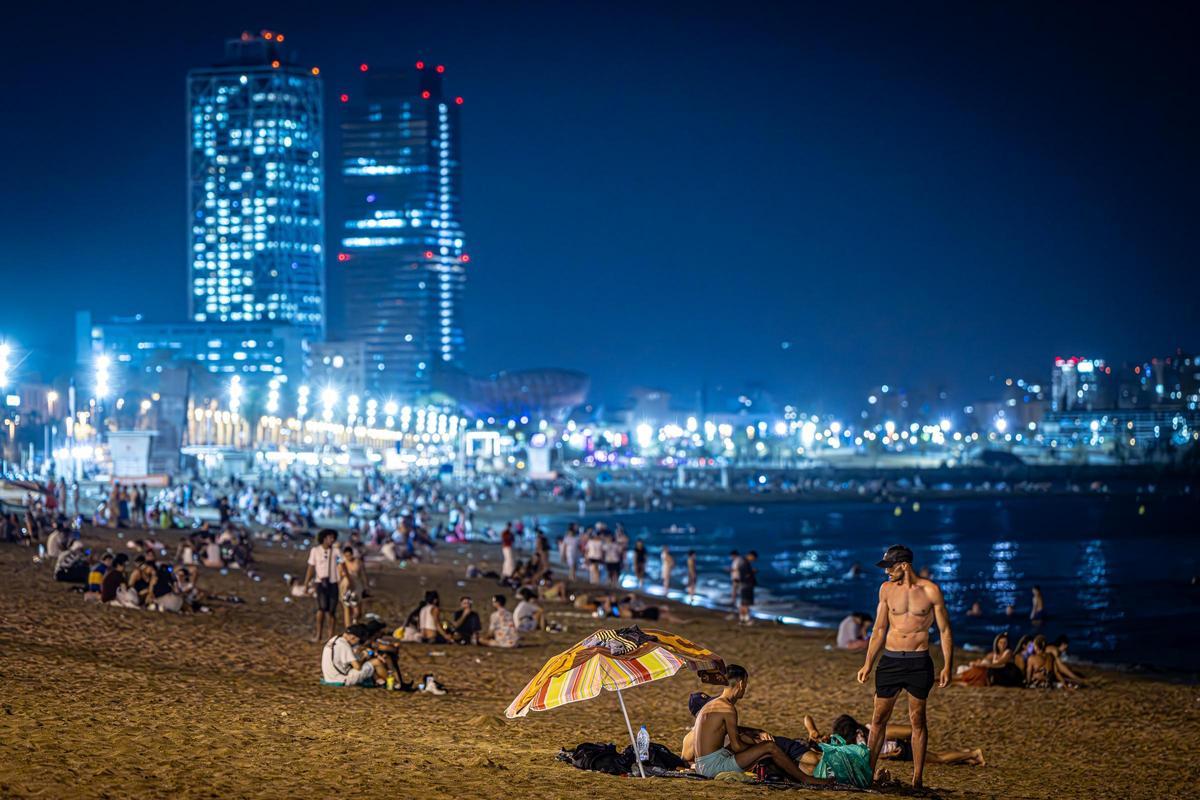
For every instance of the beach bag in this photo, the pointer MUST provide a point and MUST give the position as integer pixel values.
(848, 763)
(597, 758)
(660, 756)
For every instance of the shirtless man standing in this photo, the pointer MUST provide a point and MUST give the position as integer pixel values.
(908, 606)
(718, 721)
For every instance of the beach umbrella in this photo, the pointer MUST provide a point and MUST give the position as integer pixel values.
(614, 660)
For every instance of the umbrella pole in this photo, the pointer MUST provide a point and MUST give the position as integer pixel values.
(632, 740)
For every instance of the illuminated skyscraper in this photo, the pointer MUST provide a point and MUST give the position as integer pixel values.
(402, 248)
(256, 188)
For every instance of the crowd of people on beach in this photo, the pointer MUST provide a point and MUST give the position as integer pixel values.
(597, 570)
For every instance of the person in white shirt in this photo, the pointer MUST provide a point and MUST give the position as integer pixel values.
(321, 574)
(593, 551)
(340, 662)
(852, 632)
(55, 543)
(528, 615)
(570, 550)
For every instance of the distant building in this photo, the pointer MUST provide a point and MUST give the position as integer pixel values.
(538, 394)
(137, 351)
(256, 189)
(402, 249)
(1081, 383)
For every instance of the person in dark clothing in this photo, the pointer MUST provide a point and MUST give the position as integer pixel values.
(114, 578)
(465, 623)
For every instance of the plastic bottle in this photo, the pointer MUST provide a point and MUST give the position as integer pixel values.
(643, 744)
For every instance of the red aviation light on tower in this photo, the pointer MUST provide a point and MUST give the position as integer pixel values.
(363, 67)
(345, 98)
(425, 94)
(343, 257)
(458, 101)
(466, 259)
(420, 65)
(429, 254)
(440, 68)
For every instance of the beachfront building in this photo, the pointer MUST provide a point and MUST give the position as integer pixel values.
(401, 248)
(256, 189)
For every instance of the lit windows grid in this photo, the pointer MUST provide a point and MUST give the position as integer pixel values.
(405, 267)
(256, 196)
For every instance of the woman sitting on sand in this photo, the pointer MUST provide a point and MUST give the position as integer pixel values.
(430, 619)
(502, 630)
(997, 668)
(1043, 670)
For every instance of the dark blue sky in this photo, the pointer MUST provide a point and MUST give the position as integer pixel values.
(662, 194)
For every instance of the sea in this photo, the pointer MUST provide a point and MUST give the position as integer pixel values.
(1118, 573)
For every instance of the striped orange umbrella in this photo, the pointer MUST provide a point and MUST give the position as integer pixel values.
(614, 660)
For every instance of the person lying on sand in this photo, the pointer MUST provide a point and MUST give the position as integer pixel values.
(718, 745)
(996, 668)
(897, 743)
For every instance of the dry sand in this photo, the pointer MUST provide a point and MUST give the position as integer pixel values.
(105, 702)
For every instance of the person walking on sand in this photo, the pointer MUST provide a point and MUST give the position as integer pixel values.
(747, 580)
(691, 568)
(908, 606)
(321, 574)
(507, 539)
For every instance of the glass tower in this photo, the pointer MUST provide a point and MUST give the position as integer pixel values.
(256, 188)
(402, 247)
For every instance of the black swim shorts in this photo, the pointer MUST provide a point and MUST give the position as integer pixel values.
(910, 671)
(327, 596)
(747, 594)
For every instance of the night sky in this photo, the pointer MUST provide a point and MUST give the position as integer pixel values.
(664, 194)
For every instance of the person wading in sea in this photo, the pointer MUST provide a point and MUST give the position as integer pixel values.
(908, 606)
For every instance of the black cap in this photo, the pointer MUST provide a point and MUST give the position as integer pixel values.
(896, 554)
(697, 701)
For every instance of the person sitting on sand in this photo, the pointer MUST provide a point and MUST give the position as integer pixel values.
(114, 578)
(528, 615)
(465, 623)
(1043, 670)
(897, 742)
(852, 632)
(430, 619)
(71, 565)
(802, 751)
(341, 664)
(502, 630)
(96, 577)
(719, 747)
(997, 668)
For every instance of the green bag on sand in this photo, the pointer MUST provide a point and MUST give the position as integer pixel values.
(848, 763)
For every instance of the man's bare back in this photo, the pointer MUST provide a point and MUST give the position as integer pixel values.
(713, 722)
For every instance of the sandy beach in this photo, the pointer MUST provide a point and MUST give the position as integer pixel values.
(108, 702)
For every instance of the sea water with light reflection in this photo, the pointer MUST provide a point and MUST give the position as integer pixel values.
(1117, 573)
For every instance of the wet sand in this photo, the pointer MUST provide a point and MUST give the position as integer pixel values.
(106, 702)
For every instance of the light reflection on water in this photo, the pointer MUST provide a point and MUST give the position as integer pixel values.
(1003, 584)
(1115, 581)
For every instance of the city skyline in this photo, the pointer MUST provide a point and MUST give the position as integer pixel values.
(662, 254)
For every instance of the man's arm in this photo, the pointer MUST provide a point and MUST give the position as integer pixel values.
(943, 622)
(736, 745)
(878, 637)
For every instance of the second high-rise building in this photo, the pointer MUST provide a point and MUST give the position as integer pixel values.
(402, 251)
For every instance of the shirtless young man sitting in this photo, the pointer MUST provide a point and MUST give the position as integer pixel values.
(908, 607)
(718, 721)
